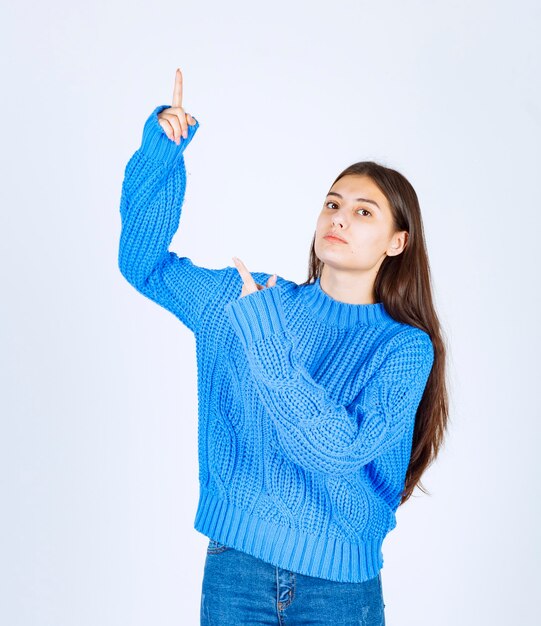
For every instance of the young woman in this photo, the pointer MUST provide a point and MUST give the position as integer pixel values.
(320, 404)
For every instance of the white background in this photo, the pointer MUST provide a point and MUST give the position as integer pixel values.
(98, 449)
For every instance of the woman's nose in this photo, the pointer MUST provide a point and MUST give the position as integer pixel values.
(338, 219)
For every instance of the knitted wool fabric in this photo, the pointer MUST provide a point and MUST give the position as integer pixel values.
(306, 404)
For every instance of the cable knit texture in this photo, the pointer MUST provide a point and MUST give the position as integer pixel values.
(306, 404)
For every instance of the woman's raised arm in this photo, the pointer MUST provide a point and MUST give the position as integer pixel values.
(152, 196)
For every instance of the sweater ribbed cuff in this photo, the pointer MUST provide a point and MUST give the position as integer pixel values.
(157, 145)
(257, 315)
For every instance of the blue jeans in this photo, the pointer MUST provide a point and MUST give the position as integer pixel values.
(239, 589)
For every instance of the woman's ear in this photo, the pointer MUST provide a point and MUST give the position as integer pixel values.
(398, 243)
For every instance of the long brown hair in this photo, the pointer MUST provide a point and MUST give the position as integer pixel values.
(403, 284)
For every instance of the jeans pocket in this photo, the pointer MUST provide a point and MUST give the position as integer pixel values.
(215, 547)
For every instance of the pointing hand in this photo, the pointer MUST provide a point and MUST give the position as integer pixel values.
(175, 120)
(250, 286)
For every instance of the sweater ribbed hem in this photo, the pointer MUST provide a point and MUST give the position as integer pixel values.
(322, 557)
(157, 145)
(257, 315)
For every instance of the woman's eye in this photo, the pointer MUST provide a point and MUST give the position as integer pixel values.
(328, 203)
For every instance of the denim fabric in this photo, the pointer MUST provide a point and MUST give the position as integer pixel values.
(239, 589)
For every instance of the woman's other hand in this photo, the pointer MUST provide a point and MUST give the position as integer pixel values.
(249, 284)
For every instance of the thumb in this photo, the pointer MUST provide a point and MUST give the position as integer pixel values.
(272, 280)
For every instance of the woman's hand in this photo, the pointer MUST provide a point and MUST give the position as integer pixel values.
(175, 120)
(250, 286)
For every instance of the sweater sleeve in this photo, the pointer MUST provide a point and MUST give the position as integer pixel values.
(152, 195)
(314, 431)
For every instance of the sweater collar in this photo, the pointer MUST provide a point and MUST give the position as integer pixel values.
(342, 314)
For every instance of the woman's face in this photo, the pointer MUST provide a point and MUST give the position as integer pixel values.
(357, 211)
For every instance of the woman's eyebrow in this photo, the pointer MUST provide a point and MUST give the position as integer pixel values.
(334, 193)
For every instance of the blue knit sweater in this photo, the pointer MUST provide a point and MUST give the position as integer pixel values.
(306, 404)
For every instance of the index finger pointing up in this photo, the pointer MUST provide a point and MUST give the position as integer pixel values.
(243, 270)
(177, 93)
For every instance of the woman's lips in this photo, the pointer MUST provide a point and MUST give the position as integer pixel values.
(333, 239)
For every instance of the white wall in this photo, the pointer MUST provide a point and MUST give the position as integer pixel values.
(98, 458)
